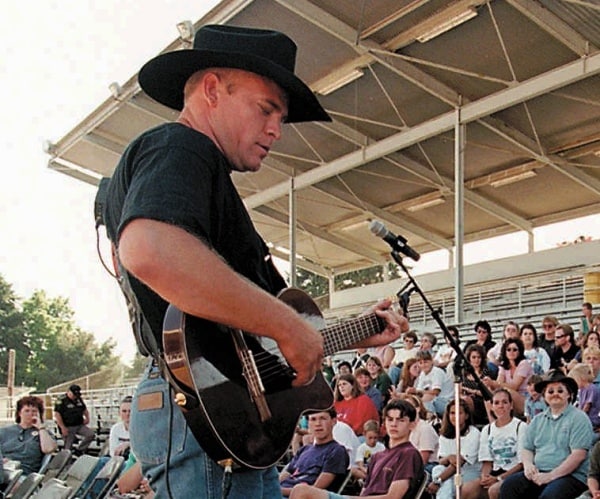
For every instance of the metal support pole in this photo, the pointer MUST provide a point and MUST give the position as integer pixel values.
(459, 181)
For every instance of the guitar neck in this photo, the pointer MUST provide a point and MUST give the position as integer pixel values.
(340, 336)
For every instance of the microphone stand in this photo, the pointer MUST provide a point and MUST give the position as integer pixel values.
(461, 363)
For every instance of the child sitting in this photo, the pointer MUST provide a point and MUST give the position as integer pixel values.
(534, 403)
(365, 451)
(588, 397)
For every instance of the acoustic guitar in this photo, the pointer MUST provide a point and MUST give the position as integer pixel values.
(235, 388)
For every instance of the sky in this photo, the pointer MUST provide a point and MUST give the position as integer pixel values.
(58, 59)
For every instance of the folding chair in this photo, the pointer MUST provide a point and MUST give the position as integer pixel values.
(79, 472)
(104, 479)
(11, 477)
(56, 465)
(27, 487)
(54, 489)
(422, 485)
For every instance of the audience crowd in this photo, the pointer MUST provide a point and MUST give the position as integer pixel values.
(528, 419)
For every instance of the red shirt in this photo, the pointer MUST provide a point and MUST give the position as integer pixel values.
(356, 412)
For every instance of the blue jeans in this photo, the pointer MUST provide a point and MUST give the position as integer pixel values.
(186, 471)
(516, 486)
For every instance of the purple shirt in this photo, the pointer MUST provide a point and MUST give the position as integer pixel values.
(591, 394)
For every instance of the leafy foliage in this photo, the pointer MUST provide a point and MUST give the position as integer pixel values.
(50, 347)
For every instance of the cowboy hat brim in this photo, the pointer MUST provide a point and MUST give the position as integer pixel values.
(163, 78)
(570, 383)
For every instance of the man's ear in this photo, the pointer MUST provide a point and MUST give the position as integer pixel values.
(210, 88)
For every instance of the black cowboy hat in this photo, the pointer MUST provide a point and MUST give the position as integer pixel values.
(267, 53)
(556, 376)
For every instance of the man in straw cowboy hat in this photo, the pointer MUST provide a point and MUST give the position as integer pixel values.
(555, 450)
(183, 236)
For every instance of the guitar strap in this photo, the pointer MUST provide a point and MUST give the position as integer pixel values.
(144, 338)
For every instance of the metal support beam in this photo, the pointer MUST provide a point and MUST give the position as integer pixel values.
(460, 131)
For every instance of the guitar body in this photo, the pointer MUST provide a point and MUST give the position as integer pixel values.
(204, 366)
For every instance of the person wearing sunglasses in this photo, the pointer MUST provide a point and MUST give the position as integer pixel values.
(513, 373)
(565, 349)
(555, 449)
(546, 340)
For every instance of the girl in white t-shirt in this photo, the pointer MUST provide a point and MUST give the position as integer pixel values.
(442, 483)
(500, 448)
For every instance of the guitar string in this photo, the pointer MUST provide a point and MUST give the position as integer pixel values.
(270, 364)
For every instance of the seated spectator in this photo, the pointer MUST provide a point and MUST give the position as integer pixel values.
(384, 353)
(119, 433)
(72, 417)
(408, 378)
(132, 480)
(555, 450)
(423, 436)
(342, 368)
(433, 385)
(319, 463)
(367, 449)
(588, 396)
(511, 330)
(379, 378)
(586, 318)
(363, 378)
(534, 402)
(500, 446)
(591, 339)
(548, 339)
(446, 353)
(408, 351)
(513, 372)
(352, 406)
(396, 472)
(591, 357)
(565, 348)
(471, 389)
(484, 336)
(593, 477)
(28, 440)
(536, 355)
(428, 343)
(441, 484)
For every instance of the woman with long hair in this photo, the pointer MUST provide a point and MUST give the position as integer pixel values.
(513, 373)
(536, 355)
(353, 407)
(500, 448)
(442, 485)
(471, 390)
(379, 377)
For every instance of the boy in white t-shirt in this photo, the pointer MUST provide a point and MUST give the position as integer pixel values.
(365, 451)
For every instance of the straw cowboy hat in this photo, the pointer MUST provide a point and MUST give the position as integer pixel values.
(267, 53)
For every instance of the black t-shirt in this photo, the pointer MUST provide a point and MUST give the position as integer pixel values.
(177, 175)
(70, 410)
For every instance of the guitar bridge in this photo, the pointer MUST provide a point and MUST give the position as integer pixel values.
(252, 376)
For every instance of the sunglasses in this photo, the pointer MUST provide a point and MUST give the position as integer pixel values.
(559, 336)
(551, 391)
(548, 326)
(408, 340)
(512, 349)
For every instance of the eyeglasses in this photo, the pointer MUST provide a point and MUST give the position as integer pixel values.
(481, 331)
(551, 391)
(409, 340)
(559, 336)
(512, 349)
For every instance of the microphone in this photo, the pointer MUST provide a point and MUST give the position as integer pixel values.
(398, 243)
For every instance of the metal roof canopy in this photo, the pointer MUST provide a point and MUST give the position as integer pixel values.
(519, 77)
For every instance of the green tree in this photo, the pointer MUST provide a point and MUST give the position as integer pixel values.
(10, 329)
(50, 347)
(58, 349)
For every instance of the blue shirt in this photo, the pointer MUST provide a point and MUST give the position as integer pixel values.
(552, 439)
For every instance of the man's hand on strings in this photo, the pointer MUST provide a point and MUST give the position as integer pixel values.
(396, 324)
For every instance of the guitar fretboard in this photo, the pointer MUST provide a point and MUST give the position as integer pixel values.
(341, 336)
